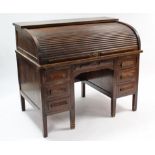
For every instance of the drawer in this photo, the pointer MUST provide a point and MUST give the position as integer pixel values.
(59, 105)
(57, 76)
(127, 62)
(126, 89)
(127, 75)
(59, 90)
(94, 65)
(87, 65)
(107, 64)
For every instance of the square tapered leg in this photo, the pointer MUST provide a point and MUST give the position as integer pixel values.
(83, 89)
(113, 107)
(134, 102)
(22, 102)
(72, 108)
(44, 126)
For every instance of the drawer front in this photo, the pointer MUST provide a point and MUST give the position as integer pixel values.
(95, 64)
(108, 64)
(127, 75)
(58, 90)
(87, 65)
(128, 62)
(126, 89)
(56, 106)
(58, 76)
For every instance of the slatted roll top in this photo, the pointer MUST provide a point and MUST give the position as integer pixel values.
(67, 42)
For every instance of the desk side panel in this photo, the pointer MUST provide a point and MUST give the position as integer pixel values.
(29, 81)
(26, 43)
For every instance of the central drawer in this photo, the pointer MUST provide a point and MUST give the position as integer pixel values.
(108, 64)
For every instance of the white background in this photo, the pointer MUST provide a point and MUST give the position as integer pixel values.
(93, 120)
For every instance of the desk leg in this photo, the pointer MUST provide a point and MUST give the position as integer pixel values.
(44, 125)
(113, 98)
(72, 109)
(83, 89)
(44, 118)
(113, 107)
(134, 102)
(22, 102)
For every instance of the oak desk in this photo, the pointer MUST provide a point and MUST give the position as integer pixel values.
(52, 55)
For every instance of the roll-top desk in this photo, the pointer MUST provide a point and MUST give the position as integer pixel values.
(53, 55)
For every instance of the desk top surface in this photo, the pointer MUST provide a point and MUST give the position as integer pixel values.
(64, 22)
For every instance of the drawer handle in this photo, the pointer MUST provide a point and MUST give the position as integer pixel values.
(121, 77)
(50, 92)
